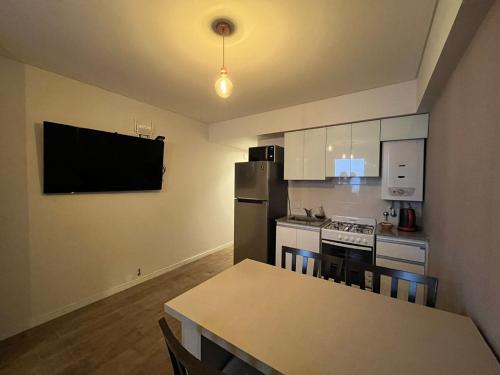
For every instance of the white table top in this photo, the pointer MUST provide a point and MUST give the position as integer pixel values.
(299, 324)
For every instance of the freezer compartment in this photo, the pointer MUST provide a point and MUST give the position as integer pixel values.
(252, 180)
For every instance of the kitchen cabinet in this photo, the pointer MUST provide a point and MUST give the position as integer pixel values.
(338, 151)
(305, 154)
(295, 236)
(365, 149)
(353, 150)
(314, 154)
(404, 255)
(406, 127)
(294, 155)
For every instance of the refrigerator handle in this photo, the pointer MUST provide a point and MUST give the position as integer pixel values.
(251, 200)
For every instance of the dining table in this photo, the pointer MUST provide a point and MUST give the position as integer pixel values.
(280, 321)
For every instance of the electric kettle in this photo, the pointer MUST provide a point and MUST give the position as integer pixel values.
(407, 222)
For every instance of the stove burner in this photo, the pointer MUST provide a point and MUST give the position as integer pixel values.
(350, 227)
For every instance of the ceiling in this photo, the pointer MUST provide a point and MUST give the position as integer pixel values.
(164, 53)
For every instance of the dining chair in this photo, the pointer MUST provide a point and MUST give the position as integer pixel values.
(183, 362)
(355, 274)
(331, 266)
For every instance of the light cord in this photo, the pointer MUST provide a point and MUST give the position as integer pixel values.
(223, 48)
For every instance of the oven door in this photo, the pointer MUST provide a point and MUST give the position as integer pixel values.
(357, 253)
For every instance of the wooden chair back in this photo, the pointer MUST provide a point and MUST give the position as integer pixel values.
(331, 267)
(183, 362)
(355, 274)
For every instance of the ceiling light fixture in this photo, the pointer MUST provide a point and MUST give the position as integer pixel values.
(223, 85)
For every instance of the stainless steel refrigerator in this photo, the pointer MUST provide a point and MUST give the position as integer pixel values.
(260, 198)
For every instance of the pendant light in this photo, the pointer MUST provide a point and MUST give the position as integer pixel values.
(223, 85)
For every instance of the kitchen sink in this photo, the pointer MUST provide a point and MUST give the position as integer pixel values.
(302, 219)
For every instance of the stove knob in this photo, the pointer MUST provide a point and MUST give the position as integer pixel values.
(358, 240)
(365, 241)
(351, 239)
(340, 237)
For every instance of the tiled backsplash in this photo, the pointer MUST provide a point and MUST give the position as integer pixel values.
(347, 200)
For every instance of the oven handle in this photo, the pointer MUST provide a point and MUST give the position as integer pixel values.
(341, 244)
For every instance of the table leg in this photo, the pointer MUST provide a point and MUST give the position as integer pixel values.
(191, 338)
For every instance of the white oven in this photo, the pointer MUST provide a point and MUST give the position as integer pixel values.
(350, 239)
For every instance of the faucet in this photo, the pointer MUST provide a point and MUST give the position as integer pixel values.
(309, 212)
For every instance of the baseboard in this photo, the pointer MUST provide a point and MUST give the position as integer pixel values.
(35, 321)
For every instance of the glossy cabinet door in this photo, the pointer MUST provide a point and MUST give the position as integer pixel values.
(307, 240)
(338, 151)
(406, 127)
(365, 149)
(314, 154)
(299, 239)
(294, 155)
(407, 256)
(285, 236)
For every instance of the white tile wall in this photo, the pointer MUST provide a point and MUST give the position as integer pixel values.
(342, 199)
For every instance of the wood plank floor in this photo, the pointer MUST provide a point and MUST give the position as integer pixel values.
(118, 335)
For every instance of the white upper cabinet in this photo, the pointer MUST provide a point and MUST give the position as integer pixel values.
(353, 150)
(294, 155)
(338, 151)
(305, 154)
(407, 127)
(314, 154)
(365, 149)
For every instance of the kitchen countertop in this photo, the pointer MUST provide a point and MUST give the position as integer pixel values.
(285, 220)
(419, 235)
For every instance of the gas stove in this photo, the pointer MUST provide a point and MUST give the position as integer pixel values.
(353, 230)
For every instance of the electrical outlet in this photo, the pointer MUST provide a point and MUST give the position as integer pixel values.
(144, 128)
(139, 272)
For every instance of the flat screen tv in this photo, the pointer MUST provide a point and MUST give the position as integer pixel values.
(84, 160)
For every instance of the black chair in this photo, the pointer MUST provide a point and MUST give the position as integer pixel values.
(355, 274)
(331, 267)
(183, 362)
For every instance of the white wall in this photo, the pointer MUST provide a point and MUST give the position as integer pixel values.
(346, 200)
(444, 17)
(387, 101)
(85, 246)
(15, 294)
(462, 186)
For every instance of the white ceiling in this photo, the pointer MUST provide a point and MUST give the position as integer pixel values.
(163, 52)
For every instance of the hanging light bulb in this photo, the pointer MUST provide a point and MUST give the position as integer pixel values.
(223, 85)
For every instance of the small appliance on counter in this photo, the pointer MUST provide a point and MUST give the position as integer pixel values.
(267, 153)
(407, 221)
(403, 170)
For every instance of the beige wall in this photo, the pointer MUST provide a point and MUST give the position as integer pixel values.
(386, 101)
(444, 17)
(86, 246)
(15, 302)
(463, 179)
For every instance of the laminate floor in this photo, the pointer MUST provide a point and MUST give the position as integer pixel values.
(118, 335)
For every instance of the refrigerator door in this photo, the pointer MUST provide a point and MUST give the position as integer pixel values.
(252, 180)
(250, 230)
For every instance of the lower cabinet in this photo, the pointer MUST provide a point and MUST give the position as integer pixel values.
(298, 238)
(402, 255)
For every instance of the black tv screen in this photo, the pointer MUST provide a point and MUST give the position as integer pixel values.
(85, 160)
